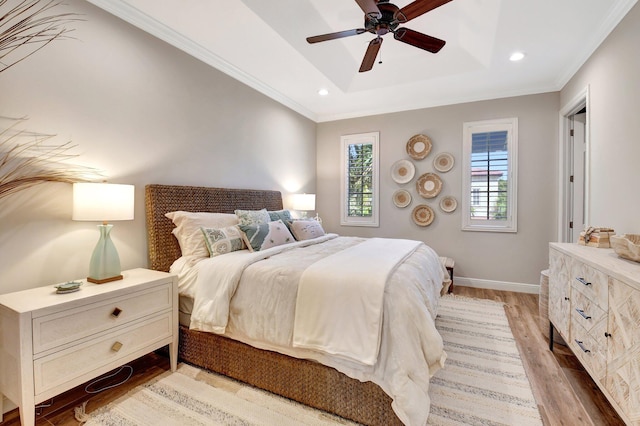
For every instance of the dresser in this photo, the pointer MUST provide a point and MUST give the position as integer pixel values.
(50, 343)
(594, 303)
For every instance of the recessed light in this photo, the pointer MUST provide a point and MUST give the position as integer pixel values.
(323, 92)
(516, 56)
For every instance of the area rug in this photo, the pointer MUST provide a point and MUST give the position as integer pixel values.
(483, 383)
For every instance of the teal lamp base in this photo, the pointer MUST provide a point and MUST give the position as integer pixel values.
(105, 262)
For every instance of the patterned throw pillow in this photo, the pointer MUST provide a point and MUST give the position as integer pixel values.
(223, 240)
(253, 217)
(306, 229)
(283, 215)
(266, 235)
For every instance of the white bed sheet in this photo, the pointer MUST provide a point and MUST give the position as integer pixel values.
(410, 347)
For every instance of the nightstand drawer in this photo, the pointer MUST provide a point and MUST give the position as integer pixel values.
(68, 326)
(70, 365)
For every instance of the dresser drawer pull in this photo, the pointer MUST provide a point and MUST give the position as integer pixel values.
(583, 281)
(585, 350)
(582, 314)
(116, 346)
(116, 312)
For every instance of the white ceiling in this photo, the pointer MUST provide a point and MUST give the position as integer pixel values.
(262, 43)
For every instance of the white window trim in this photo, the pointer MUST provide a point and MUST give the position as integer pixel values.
(372, 138)
(510, 224)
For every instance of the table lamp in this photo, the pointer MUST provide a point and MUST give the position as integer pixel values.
(103, 202)
(304, 203)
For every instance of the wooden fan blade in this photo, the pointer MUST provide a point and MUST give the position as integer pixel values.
(370, 54)
(422, 41)
(370, 8)
(333, 36)
(417, 8)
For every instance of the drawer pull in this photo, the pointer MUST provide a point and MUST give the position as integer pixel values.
(607, 334)
(582, 314)
(585, 350)
(116, 312)
(116, 346)
(566, 298)
(583, 281)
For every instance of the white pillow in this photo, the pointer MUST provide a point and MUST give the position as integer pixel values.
(223, 240)
(306, 229)
(189, 234)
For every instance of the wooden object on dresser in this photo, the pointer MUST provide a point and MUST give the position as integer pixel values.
(594, 303)
(53, 342)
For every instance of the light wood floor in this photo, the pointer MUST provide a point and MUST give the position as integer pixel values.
(565, 393)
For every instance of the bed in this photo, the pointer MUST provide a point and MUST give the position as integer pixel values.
(302, 379)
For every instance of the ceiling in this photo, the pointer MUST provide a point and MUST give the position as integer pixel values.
(263, 44)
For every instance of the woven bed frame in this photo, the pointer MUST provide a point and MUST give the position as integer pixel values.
(308, 382)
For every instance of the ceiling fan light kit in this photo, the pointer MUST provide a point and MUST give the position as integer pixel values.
(382, 17)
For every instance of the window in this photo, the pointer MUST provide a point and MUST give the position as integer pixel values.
(489, 175)
(359, 194)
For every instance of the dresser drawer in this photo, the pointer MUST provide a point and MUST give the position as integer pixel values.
(71, 364)
(591, 349)
(592, 283)
(51, 331)
(588, 314)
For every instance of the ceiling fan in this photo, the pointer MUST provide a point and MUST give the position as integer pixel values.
(382, 17)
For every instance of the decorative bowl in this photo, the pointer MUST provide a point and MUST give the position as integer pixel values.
(627, 246)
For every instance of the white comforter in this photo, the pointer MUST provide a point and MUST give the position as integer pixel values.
(339, 303)
(260, 311)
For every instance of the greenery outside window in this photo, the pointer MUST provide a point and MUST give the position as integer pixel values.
(359, 190)
(489, 179)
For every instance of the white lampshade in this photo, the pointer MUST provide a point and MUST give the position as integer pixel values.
(104, 202)
(304, 202)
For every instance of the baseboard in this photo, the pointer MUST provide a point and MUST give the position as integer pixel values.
(496, 285)
(7, 405)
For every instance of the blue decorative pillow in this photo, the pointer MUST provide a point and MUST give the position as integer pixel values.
(266, 235)
(253, 217)
(223, 240)
(283, 215)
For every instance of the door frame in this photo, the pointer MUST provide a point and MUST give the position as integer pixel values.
(581, 100)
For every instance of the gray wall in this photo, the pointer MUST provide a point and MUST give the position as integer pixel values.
(613, 77)
(142, 112)
(509, 258)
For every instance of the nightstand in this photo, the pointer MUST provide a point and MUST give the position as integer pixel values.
(50, 343)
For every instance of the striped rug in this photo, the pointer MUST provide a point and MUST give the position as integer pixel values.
(483, 383)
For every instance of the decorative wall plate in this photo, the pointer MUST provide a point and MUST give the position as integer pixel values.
(402, 171)
(423, 215)
(429, 185)
(418, 147)
(443, 162)
(448, 204)
(401, 198)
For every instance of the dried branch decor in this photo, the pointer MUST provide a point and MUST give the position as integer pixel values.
(27, 160)
(29, 25)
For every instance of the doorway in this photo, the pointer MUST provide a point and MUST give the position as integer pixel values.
(574, 168)
(578, 144)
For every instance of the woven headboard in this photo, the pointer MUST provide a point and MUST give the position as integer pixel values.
(162, 246)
